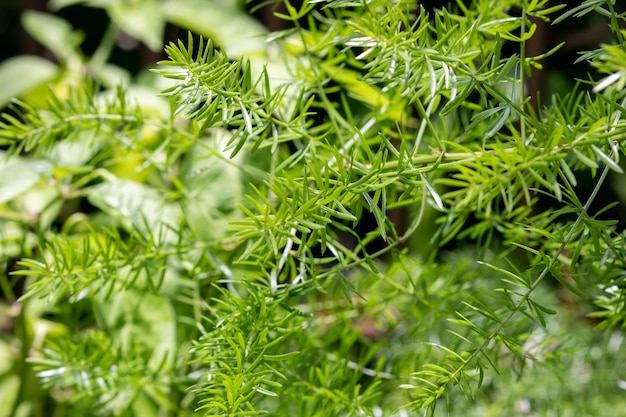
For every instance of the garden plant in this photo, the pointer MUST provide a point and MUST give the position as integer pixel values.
(364, 213)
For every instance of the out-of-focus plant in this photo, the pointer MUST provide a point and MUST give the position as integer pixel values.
(347, 217)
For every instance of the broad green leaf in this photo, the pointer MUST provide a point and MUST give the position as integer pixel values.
(149, 319)
(212, 187)
(54, 33)
(143, 20)
(14, 238)
(112, 76)
(42, 203)
(9, 389)
(18, 175)
(23, 73)
(55, 5)
(74, 153)
(143, 97)
(137, 206)
(236, 31)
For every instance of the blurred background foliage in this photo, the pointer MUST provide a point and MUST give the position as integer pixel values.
(57, 44)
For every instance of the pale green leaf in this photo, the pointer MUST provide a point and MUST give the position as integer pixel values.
(142, 20)
(18, 175)
(53, 32)
(60, 4)
(137, 206)
(213, 187)
(21, 74)
(236, 31)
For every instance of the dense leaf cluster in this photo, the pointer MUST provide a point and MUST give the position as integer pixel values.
(358, 227)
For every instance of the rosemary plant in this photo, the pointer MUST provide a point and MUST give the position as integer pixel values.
(363, 216)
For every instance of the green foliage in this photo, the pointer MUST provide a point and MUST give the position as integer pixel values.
(195, 246)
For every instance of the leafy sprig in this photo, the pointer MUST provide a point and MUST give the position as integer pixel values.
(229, 278)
